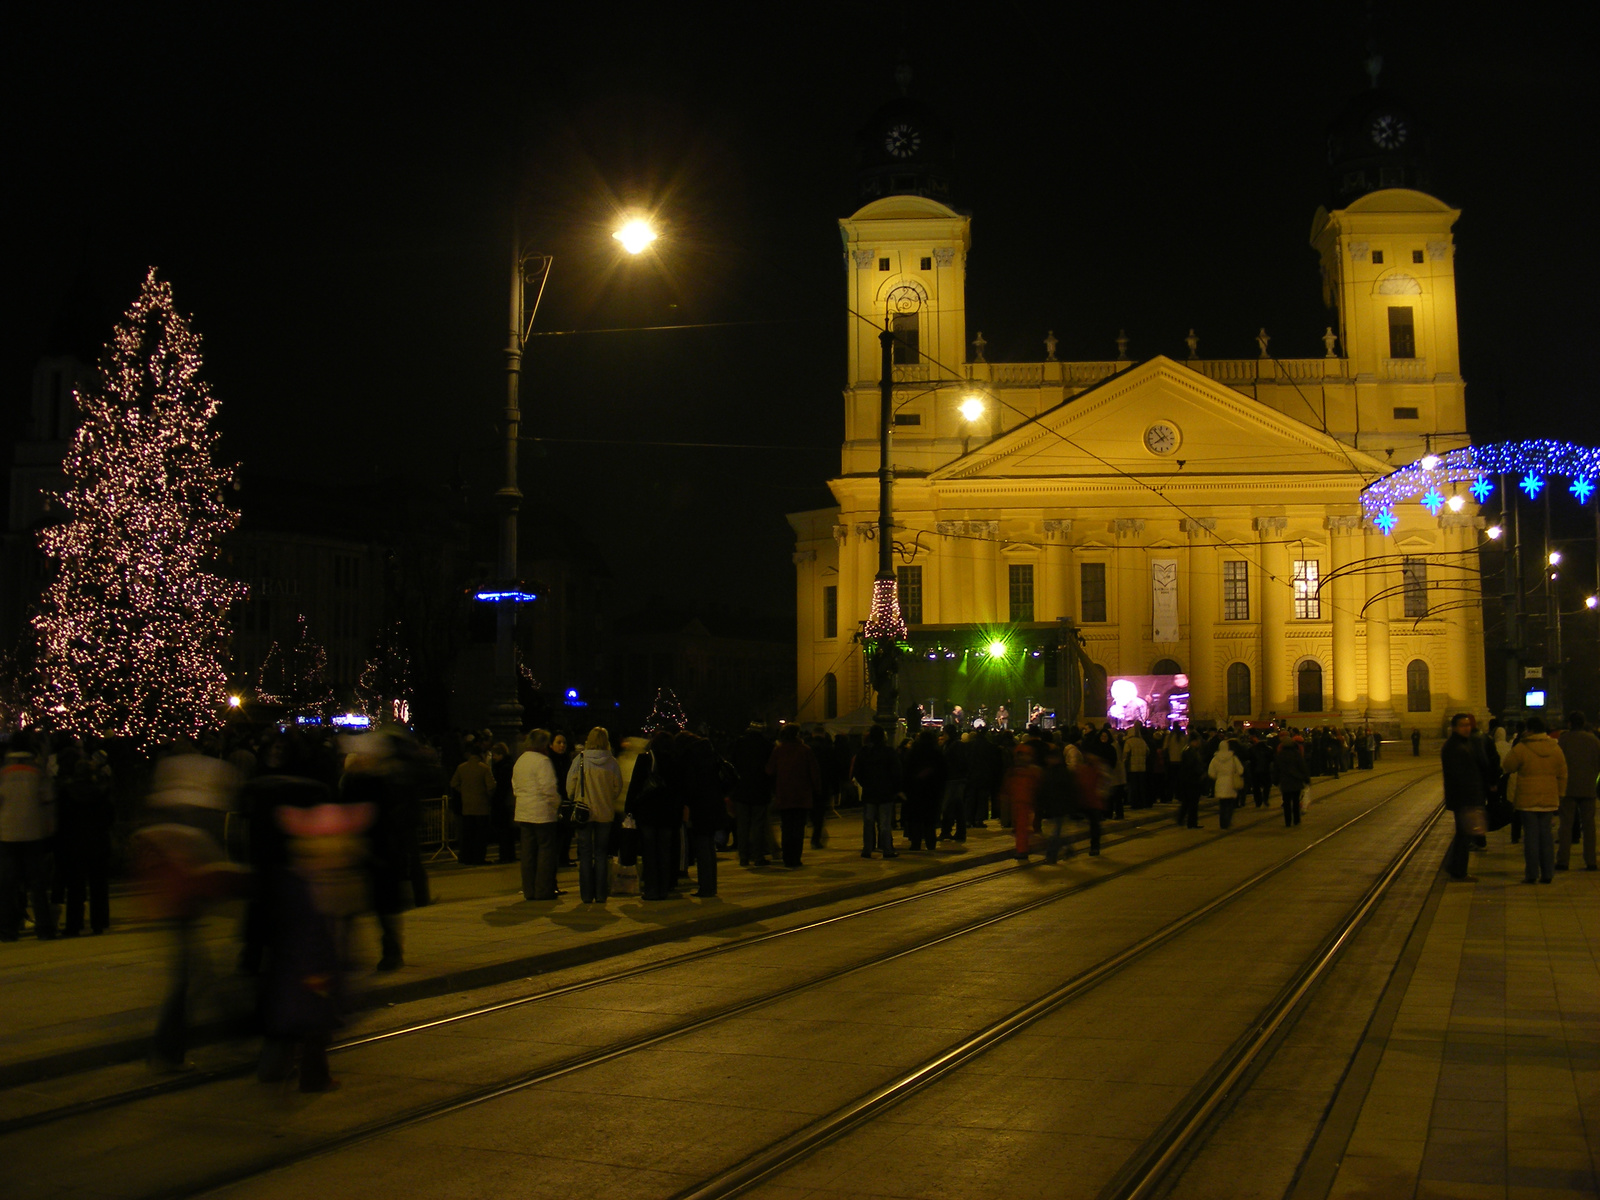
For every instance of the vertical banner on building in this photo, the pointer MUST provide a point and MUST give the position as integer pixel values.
(1164, 599)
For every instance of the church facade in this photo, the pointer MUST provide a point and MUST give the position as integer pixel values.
(1195, 519)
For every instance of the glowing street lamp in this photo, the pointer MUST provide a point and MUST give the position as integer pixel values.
(235, 701)
(1591, 602)
(1456, 503)
(1495, 532)
(1430, 462)
(1555, 558)
(635, 235)
(971, 409)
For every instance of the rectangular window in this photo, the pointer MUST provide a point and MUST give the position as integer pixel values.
(1092, 588)
(1416, 256)
(927, 264)
(906, 352)
(1307, 602)
(911, 594)
(883, 264)
(1414, 575)
(1405, 414)
(908, 418)
(830, 611)
(1377, 257)
(1235, 590)
(1402, 333)
(1021, 592)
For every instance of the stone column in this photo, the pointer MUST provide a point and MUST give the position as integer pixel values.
(986, 552)
(952, 566)
(1341, 595)
(1133, 595)
(1459, 535)
(1205, 587)
(1277, 595)
(1055, 591)
(1380, 670)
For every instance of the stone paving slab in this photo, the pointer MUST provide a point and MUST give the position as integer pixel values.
(1489, 1082)
(85, 1002)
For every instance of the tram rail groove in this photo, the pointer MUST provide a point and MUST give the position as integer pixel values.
(770, 1162)
(471, 1098)
(236, 1070)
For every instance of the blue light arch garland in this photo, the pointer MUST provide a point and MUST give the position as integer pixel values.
(1533, 463)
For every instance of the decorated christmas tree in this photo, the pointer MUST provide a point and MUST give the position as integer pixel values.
(133, 625)
(667, 713)
(297, 678)
(384, 689)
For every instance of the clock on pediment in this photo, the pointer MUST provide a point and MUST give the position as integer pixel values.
(902, 140)
(1388, 131)
(1162, 438)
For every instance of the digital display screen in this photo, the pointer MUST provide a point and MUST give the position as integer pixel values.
(1161, 701)
(1534, 699)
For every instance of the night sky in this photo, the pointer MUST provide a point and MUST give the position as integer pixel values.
(331, 197)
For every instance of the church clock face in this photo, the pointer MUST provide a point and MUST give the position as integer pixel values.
(1388, 132)
(902, 141)
(1161, 438)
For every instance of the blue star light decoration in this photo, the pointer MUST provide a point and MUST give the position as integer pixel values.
(1532, 463)
(1582, 489)
(1386, 521)
(1481, 487)
(1433, 501)
(1531, 484)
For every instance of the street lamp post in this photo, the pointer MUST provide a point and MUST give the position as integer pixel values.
(886, 628)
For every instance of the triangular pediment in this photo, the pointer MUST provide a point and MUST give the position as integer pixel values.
(1219, 431)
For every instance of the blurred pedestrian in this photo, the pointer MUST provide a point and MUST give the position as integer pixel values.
(876, 771)
(1582, 751)
(503, 803)
(751, 795)
(953, 814)
(925, 779)
(657, 811)
(85, 812)
(1022, 790)
(1228, 773)
(27, 825)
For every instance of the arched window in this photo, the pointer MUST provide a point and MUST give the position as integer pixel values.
(1166, 666)
(1094, 692)
(1308, 678)
(830, 696)
(1239, 690)
(1418, 693)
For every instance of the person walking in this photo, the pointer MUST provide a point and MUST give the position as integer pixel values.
(594, 781)
(1292, 775)
(1228, 773)
(533, 782)
(751, 795)
(796, 780)
(821, 747)
(876, 771)
(1582, 749)
(1416, 743)
(85, 814)
(1466, 793)
(1261, 758)
(472, 786)
(1022, 787)
(706, 802)
(953, 815)
(1136, 762)
(27, 823)
(1541, 771)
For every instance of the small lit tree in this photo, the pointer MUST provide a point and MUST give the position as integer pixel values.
(666, 713)
(384, 688)
(133, 625)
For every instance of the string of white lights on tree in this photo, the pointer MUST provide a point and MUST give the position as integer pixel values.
(1531, 463)
(883, 618)
(667, 713)
(133, 625)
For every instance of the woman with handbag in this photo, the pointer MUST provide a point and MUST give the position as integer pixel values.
(594, 782)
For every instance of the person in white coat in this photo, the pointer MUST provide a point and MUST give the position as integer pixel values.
(594, 780)
(1228, 772)
(533, 783)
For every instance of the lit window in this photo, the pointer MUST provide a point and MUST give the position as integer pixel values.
(1307, 603)
(1021, 592)
(911, 595)
(1236, 590)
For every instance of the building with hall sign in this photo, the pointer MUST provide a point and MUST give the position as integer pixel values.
(1196, 524)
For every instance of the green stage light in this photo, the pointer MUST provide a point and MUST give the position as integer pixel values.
(997, 649)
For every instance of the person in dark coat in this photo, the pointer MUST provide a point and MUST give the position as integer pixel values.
(1465, 792)
(821, 747)
(876, 771)
(796, 780)
(707, 804)
(751, 795)
(1292, 774)
(1190, 783)
(85, 813)
(925, 778)
(503, 805)
(1260, 767)
(957, 762)
(655, 803)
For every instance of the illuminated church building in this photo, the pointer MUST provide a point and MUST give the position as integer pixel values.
(1197, 518)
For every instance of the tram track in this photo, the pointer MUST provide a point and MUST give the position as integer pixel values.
(1083, 981)
(1143, 1173)
(201, 1077)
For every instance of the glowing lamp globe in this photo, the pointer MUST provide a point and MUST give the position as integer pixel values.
(1591, 602)
(1430, 462)
(635, 236)
(234, 701)
(1456, 503)
(1494, 532)
(971, 409)
(1555, 558)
